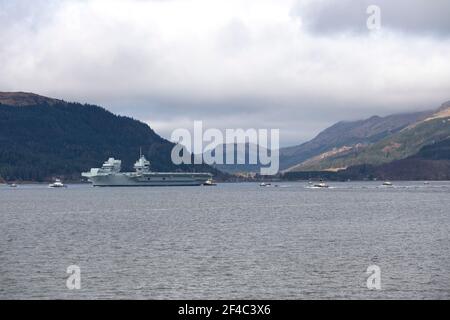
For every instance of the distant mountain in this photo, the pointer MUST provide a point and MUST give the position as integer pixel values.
(42, 137)
(242, 154)
(398, 145)
(346, 135)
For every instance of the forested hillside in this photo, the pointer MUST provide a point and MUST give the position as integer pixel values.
(41, 138)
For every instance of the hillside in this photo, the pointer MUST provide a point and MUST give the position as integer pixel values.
(432, 162)
(436, 151)
(347, 134)
(42, 137)
(23, 99)
(399, 145)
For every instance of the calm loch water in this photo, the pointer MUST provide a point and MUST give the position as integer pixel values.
(232, 241)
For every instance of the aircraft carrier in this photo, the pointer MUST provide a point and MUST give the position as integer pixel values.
(110, 175)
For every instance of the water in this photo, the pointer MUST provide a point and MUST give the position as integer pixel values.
(234, 241)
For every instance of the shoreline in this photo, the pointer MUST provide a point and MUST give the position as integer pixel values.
(37, 183)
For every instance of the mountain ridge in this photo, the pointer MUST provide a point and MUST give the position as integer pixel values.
(346, 134)
(399, 145)
(25, 99)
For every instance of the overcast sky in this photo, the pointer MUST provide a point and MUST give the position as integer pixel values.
(299, 66)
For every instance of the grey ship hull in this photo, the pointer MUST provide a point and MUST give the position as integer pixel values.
(149, 179)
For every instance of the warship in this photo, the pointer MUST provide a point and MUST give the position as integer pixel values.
(110, 175)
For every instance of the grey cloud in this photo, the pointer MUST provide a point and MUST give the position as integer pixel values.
(408, 16)
(231, 69)
(298, 120)
(234, 37)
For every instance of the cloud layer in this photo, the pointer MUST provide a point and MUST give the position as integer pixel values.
(297, 66)
(421, 17)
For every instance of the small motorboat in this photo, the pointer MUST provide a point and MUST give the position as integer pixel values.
(210, 183)
(321, 185)
(387, 184)
(265, 184)
(13, 185)
(57, 184)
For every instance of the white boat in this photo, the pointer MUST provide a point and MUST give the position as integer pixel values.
(13, 185)
(321, 185)
(210, 183)
(57, 184)
(387, 184)
(265, 184)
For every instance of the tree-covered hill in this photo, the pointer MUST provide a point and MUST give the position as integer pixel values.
(41, 138)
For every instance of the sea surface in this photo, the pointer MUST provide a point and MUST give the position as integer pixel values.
(233, 241)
